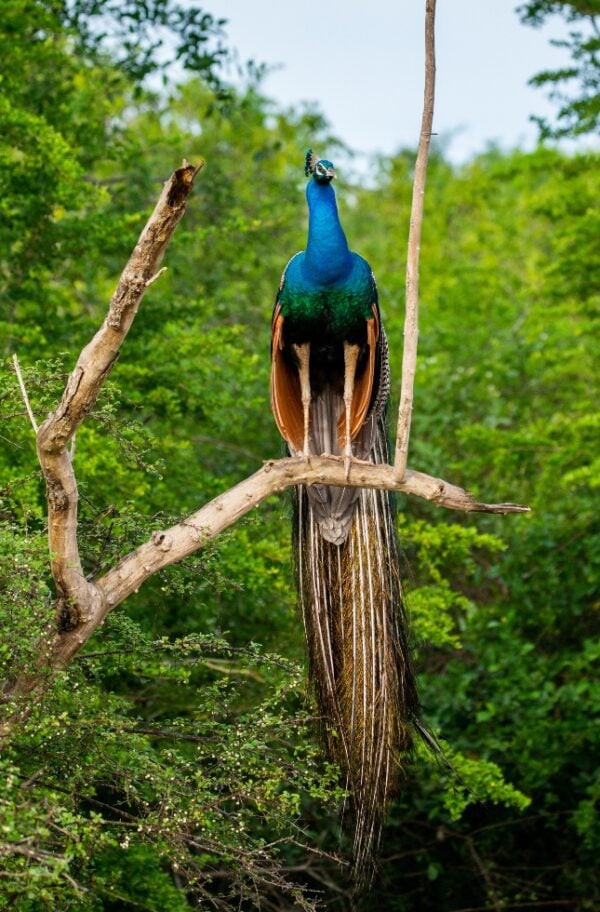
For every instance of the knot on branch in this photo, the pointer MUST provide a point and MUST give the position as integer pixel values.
(162, 540)
(181, 183)
(58, 499)
(128, 294)
(68, 615)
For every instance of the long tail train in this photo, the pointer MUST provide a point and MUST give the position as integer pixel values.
(330, 385)
(356, 632)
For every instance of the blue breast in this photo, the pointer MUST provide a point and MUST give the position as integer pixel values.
(328, 289)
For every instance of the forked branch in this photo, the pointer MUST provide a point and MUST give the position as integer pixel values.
(171, 545)
(78, 599)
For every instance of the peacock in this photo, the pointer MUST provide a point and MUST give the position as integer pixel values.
(330, 384)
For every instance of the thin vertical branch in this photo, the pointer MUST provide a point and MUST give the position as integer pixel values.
(411, 320)
(23, 389)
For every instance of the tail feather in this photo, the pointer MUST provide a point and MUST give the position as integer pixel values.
(351, 601)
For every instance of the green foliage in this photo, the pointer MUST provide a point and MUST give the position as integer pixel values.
(133, 32)
(174, 764)
(472, 780)
(96, 801)
(575, 88)
(444, 553)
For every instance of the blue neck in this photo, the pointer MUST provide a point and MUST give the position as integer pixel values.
(327, 256)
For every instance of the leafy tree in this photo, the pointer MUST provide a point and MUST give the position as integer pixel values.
(576, 88)
(145, 37)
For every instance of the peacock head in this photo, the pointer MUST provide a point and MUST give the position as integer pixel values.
(318, 168)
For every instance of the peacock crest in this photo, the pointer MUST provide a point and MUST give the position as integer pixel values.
(310, 162)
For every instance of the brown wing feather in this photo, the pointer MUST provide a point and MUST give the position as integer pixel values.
(286, 399)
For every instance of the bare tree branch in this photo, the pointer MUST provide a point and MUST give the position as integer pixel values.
(191, 534)
(169, 546)
(78, 600)
(411, 320)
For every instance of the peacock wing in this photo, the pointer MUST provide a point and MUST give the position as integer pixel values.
(286, 398)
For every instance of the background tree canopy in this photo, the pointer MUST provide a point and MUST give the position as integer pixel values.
(174, 765)
(576, 87)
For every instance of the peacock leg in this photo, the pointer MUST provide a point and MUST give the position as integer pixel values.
(351, 353)
(302, 353)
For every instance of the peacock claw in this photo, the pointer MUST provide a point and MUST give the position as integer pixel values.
(347, 467)
(348, 460)
(351, 353)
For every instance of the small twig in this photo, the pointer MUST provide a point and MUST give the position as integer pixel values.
(411, 320)
(17, 368)
(156, 276)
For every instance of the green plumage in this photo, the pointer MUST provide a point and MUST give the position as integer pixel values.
(337, 312)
